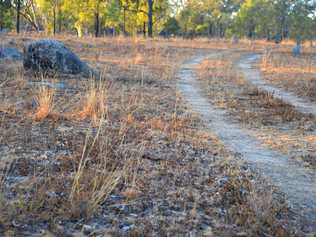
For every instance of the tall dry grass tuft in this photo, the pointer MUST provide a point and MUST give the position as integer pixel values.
(45, 103)
(266, 58)
(93, 105)
(92, 184)
(138, 59)
(106, 160)
(96, 177)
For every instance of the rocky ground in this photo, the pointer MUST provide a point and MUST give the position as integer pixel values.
(125, 156)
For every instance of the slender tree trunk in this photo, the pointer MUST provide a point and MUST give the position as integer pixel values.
(1, 21)
(59, 17)
(144, 29)
(97, 19)
(124, 20)
(54, 19)
(97, 24)
(210, 29)
(18, 10)
(150, 17)
(36, 25)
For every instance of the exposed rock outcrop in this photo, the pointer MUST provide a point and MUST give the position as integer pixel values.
(53, 56)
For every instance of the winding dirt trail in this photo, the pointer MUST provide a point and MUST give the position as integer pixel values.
(252, 75)
(298, 183)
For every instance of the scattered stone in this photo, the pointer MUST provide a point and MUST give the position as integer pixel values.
(297, 50)
(4, 31)
(208, 232)
(64, 129)
(126, 228)
(53, 56)
(309, 126)
(242, 234)
(223, 181)
(10, 53)
(277, 38)
(235, 40)
(87, 229)
(309, 158)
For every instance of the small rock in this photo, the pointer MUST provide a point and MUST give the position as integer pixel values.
(309, 126)
(10, 53)
(221, 182)
(87, 229)
(4, 31)
(208, 232)
(297, 50)
(127, 228)
(235, 39)
(242, 234)
(64, 129)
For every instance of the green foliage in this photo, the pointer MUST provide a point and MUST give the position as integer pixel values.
(208, 17)
(212, 18)
(6, 14)
(302, 19)
(255, 19)
(172, 27)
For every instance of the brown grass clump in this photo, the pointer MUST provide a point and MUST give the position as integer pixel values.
(93, 104)
(273, 62)
(295, 74)
(138, 59)
(45, 103)
(214, 70)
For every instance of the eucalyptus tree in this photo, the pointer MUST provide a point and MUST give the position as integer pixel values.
(302, 21)
(5, 14)
(50, 11)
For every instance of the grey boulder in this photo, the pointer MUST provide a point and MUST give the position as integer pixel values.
(53, 56)
(10, 53)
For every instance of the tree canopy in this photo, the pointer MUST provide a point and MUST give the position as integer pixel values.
(213, 18)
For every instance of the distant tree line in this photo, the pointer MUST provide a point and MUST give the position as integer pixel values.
(270, 19)
(85, 16)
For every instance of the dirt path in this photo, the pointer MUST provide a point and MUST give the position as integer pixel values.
(298, 183)
(252, 75)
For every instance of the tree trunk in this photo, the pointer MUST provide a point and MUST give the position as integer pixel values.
(18, 10)
(54, 19)
(97, 19)
(59, 17)
(124, 20)
(150, 17)
(97, 24)
(79, 29)
(35, 24)
(210, 29)
(144, 29)
(1, 21)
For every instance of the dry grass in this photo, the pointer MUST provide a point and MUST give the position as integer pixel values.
(295, 74)
(124, 156)
(44, 103)
(217, 68)
(93, 105)
(265, 115)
